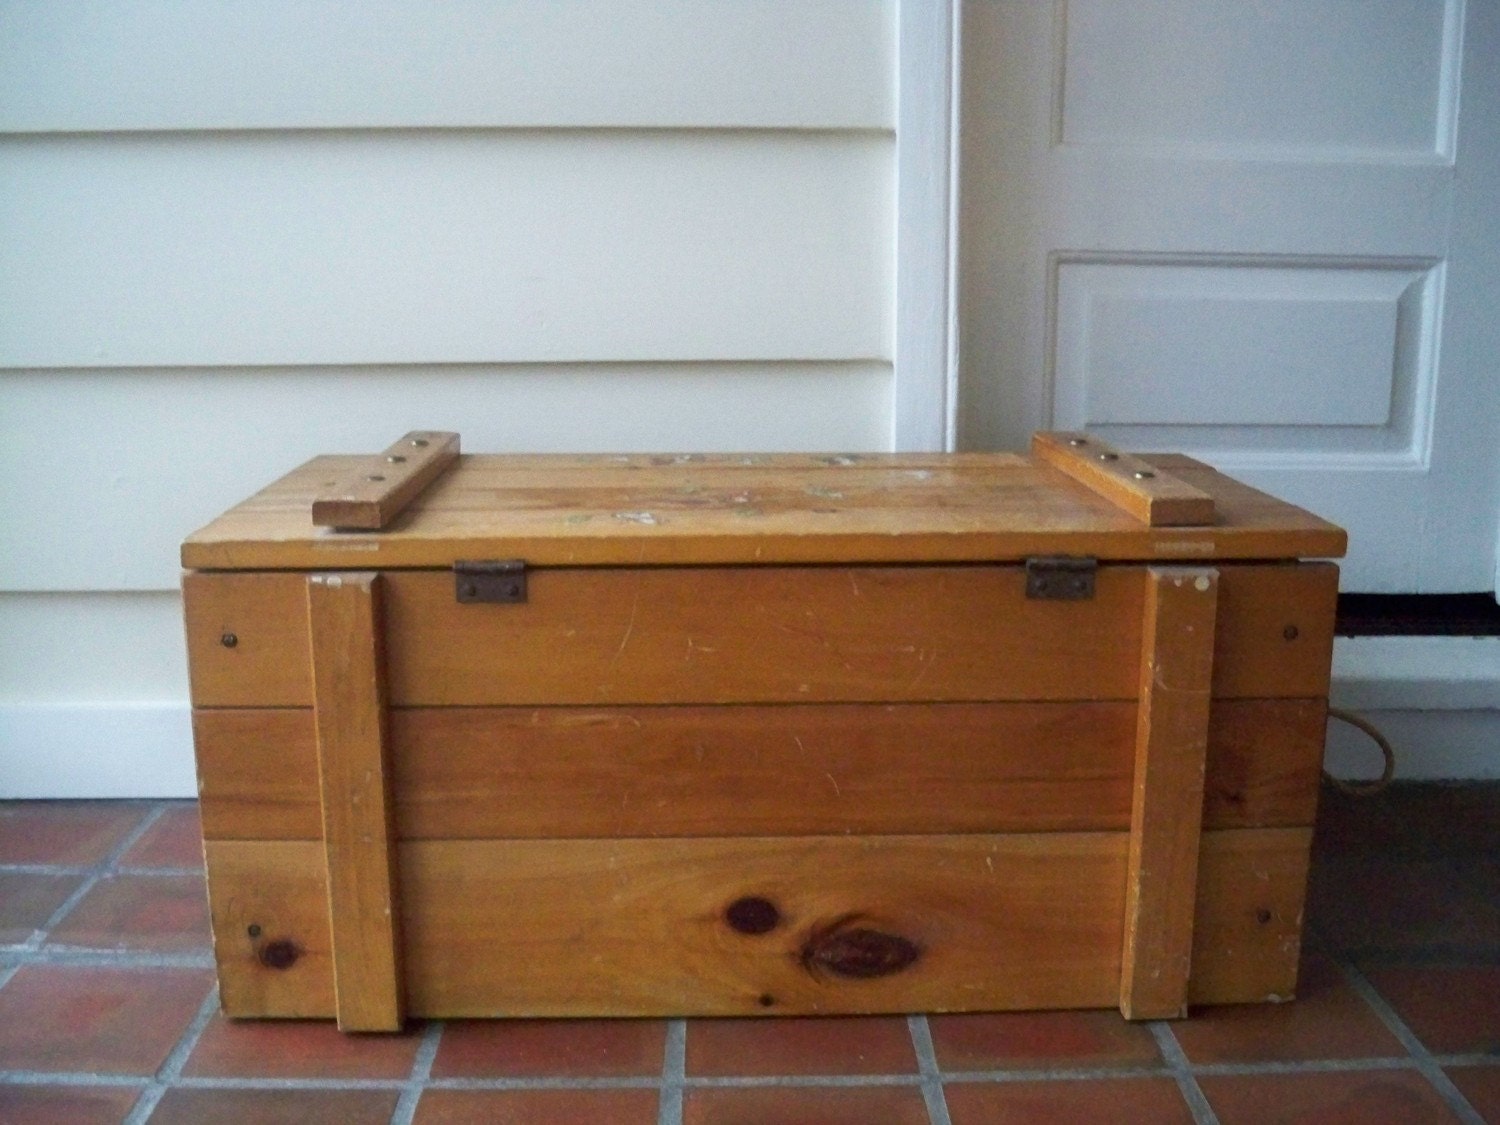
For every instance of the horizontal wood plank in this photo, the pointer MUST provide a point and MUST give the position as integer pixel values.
(761, 926)
(755, 509)
(247, 640)
(761, 635)
(475, 773)
(257, 773)
(1247, 929)
(1274, 635)
(668, 899)
(269, 904)
(711, 635)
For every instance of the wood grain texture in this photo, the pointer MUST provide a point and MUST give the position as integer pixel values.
(1149, 493)
(258, 774)
(1246, 932)
(476, 773)
(269, 904)
(1275, 630)
(861, 924)
(1275, 635)
(762, 635)
(1172, 726)
(1247, 927)
(757, 509)
(344, 624)
(746, 771)
(247, 640)
(371, 495)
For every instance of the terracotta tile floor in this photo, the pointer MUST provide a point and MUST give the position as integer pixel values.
(108, 1012)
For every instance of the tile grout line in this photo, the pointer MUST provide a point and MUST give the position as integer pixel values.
(106, 958)
(1182, 1070)
(673, 1074)
(927, 1066)
(94, 874)
(625, 1082)
(1425, 1063)
(171, 1069)
(421, 1072)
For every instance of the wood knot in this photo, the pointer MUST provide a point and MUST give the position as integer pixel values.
(845, 948)
(752, 915)
(278, 954)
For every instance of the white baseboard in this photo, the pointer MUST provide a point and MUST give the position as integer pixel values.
(1429, 746)
(1436, 698)
(96, 750)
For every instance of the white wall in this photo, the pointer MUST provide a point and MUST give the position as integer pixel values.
(236, 235)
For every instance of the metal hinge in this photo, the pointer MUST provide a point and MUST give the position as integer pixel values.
(1061, 578)
(490, 580)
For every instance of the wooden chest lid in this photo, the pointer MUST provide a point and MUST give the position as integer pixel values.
(1072, 496)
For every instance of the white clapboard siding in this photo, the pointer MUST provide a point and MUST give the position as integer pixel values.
(107, 648)
(106, 471)
(443, 247)
(95, 65)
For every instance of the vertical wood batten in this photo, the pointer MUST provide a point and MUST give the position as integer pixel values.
(1166, 822)
(344, 623)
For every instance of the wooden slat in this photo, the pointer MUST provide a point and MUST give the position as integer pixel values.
(1275, 630)
(476, 773)
(756, 509)
(1150, 494)
(1172, 725)
(1246, 934)
(1248, 923)
(745, 771)
(762, 635)
(636, 927)
(371, 495)
(447, 653)
(358, 825)
(247, 640)
(258, 774)
(269, 903)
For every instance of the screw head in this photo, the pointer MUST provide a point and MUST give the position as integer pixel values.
(1109, 456)
(396, 459)
(228, 640)
(1144, 474)
(1291, 632)
(1078, 441)
(254, 930)
(375, 477)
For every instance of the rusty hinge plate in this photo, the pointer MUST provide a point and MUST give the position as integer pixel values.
(1061, 578)
(493, 581)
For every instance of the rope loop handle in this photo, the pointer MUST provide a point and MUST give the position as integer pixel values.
(1364, 788)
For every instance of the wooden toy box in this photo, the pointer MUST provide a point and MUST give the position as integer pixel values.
(738, 735)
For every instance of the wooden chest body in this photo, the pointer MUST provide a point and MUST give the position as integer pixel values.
(767, 735)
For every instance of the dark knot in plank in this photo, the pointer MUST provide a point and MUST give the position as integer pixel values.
(846, 948)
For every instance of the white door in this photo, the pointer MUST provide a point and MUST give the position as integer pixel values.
(1261, 233)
